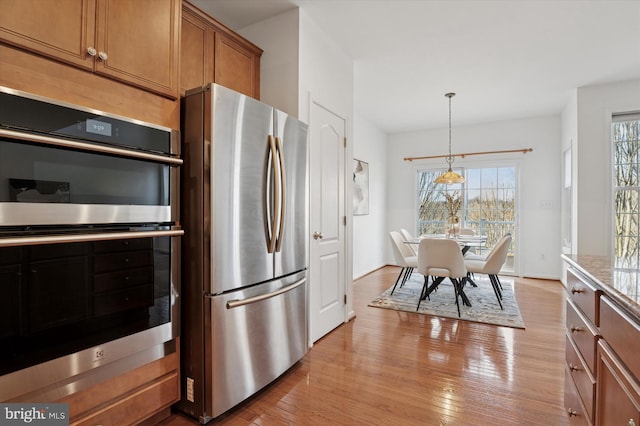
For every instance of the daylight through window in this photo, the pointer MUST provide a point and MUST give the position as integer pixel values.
(488, 204)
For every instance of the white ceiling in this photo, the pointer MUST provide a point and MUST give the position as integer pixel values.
(505, 59)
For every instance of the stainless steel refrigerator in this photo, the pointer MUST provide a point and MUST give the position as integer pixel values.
(244, 256)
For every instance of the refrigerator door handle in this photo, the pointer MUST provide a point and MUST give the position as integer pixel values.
(274, 200)
(283, 193)
(237, 303)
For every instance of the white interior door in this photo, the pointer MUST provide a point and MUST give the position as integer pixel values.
(327, 221)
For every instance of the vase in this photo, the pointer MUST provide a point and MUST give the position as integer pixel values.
(453, 228)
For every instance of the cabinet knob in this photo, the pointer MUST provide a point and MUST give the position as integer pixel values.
(631, 423)
(318, 235)
(575, 329)
(103, 56)
(91, 51)
(573, 367)
(576, 290)
(572, 412)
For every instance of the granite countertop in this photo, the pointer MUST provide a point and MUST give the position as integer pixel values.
(621, 283)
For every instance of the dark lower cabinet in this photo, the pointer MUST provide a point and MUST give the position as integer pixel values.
(9, 299)
(57, 291)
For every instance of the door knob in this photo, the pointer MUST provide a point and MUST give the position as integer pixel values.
(317, 235)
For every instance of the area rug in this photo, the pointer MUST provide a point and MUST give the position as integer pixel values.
(484, 309)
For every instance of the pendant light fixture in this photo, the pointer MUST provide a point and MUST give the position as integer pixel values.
(449, 176)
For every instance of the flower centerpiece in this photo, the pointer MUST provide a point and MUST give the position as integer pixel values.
(453, 205)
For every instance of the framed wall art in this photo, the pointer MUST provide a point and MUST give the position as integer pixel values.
(360, 187)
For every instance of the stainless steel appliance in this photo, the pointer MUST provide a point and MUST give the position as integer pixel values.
(244, 210)
(89, 246)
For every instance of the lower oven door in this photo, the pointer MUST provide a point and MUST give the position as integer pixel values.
(70, 294)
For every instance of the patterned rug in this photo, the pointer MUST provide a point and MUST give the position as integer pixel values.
(484, 309)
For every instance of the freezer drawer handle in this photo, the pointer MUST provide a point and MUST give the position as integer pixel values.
(237, 303)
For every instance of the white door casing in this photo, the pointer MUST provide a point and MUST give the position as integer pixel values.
(327, 221)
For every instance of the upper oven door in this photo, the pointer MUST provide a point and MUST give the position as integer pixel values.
(63, 164)
(43, 184)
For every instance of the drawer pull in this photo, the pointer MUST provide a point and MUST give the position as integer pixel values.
(572, 412)
(575, 329)
(573, 367)
(631, 423)
(576, 290)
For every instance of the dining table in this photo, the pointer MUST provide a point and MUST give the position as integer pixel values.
(466, 242)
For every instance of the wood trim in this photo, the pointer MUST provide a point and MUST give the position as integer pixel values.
(223, 29)
(88, 401)
(35, 74)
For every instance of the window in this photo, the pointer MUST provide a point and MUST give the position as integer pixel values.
(488, 204)
(626, 160)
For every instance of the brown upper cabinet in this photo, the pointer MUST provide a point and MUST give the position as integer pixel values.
(133, 41)
(212, 53)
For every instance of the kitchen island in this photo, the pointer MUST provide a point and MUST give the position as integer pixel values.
(602, 383)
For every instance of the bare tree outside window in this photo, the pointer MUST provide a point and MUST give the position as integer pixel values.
(626, 158)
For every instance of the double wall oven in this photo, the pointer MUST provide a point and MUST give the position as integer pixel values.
(89, 245)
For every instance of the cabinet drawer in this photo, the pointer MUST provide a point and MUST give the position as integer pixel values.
(117, 301)
(122, 245)
(622, 334)
(618, 391)
(572, 402)
(125, 259)
(136, 406)
(582, 377)
(583, 333)
(585, 295)
(122, 279)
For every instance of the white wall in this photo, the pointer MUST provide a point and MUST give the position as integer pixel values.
(595, 105)
(539, 201)
(301, 64)
(278, 38)
(369, 231)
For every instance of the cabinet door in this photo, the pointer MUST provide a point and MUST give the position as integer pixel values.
(9, 288)
(58, 293)
(618, 396)
(196, 51)
(63, 32)
(236, 67)
(139, 39)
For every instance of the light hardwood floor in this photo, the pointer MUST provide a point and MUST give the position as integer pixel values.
(392, 368)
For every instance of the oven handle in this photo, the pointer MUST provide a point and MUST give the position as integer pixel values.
(49, 140)
(237, 303)
(55, 239)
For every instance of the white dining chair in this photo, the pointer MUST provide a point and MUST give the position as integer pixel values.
(404, 258)
(491, 265)
(408, 237)
(442, 258)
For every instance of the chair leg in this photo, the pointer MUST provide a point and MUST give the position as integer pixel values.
(397, 280)
(499, 283)
(423, 293)
(496, 283)
(407, 275)
(470, 279)
(455, 290)
(496, 290)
